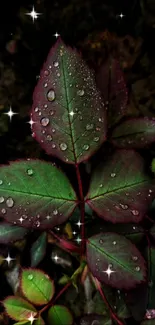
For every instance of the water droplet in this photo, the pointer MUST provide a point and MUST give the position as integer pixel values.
(101, 241)
(85, 147)
(63, 146)
(56, 64)
(45, 105)
(96, 139)
(46, 73)
(10, 202)
(3, 211)
(30, 277)
(55, 212)
(51, 95)
(44, 121)
(114, 242)
(135, 212)
(89, 126)
(113, 175)
(134, 258)
(37, 223)
(137, 268)
(150, 191)
(80, 92)
(49, 137)
(1, 199)
(45, 85)
(39, 113)
(53, 130)
(58, 74)
(53, 145)
(30, 172)
(100, 185)
(1, 182)
(124, 206)
(36, 109)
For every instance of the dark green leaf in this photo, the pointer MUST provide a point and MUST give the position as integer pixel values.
(36, 194)
(112, 252)
(120, 191)
(37, 286)
(67, 107)
(10, 233)
(38, 249)
(59, 315)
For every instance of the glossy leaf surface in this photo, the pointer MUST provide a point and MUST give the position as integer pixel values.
(10, 233)
(18, 308)
(35, 194)
(112, 252)
(59, 315)
(134, 133)
(120, 190)
(110, 81)
(36, 286)
(68, 111)
(38, 250)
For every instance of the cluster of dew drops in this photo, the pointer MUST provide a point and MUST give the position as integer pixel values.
(51, 96)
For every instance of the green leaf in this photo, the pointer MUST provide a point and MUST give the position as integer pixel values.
(120, 191)
(72, 124)
(38, 250)
(150, 252)
(110, 251)
(148, 322)
(37, 286)
(152, 231)
(10, 233)
(59, 315)
(134, 133)
(38, 321)
(153, 165)
(18, 308)
(35, 194)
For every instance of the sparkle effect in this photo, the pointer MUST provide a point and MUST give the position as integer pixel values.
(21, 219)
(79, 224)
(108, 271)
(121, 15)
(56, 35)
(55, 258)
(71, 113)
(78, 240)
(8, 259)
(33, 14)
(31, 319)
(10, 113)
(31, 122)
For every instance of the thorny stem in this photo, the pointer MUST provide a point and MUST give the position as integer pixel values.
(113, 315)
(82, 209)
(54, 300)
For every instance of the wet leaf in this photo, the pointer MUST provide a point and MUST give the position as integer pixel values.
(150, 252)
(38, 249)
(35, 194)
(10, 233)
(94, 319)
(136, 300)
(18, 308)
(120, 190)
(110, 81)
(37, 287)
(60, 315)
(68, 110)
(38, 321)
(134, 133)
(113, 252)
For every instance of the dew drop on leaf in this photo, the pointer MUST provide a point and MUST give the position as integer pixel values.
(80, 92)
(101, 241)
(58, 74)
(134, 258)
(51, 95)
(55, 212)
(137, 268)
(49, 137)
(114, 242)
(30, 277)
(53, 145)
(101, 185)
(46, 73)
(30, 172)
(124, 206)
(53, 130)
(10, 202)
(63, 146)
(56, 64)
(44, 121)
(3, 211)
(36, 109)
(1, 199)
(85, 147)
(89, 126)
(135, 212)
(113, 175)
(45, 85)
(1, 182)
(96, 139)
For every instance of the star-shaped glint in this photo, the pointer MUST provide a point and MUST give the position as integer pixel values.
(55, 258)
(21, 219)
(121, 15)
(78, 240)
(8, 259)
(10, 113)
(79, 224)
(56, 35)
(109, 271)
(31, 122)
(31, 319)
(33, 14)
(71, 113)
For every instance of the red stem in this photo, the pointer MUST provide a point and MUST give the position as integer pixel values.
(113, 315)
(54, 300)
(82, 208)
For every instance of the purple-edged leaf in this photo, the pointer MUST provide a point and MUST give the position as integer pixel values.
(35, 194)
(110, 81)
(120, 191)
(68, 110)
(9, 233)
(134, 133)
(36, 286)
(18, 308)
(59, 315)
(114, 260)
(38, 249)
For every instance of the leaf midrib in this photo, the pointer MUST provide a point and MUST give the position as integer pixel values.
(112, 258)
(118, 189)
